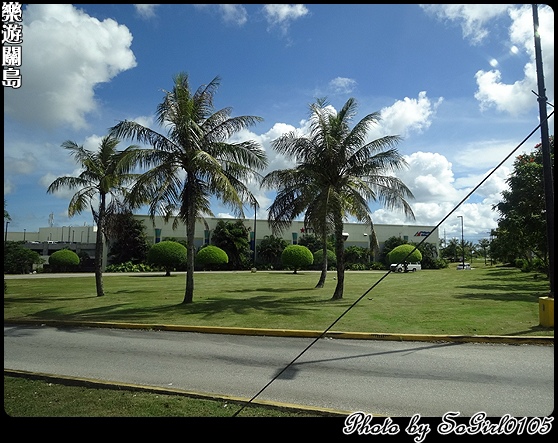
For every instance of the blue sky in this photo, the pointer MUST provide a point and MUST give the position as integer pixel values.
(455, 82)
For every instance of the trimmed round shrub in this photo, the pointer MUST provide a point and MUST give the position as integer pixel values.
(63, 260)
(297, 257)
(168, 255)
(398, 254)
(210, 256)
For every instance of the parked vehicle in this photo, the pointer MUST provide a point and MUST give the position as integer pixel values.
(462, 266)
(405, 267)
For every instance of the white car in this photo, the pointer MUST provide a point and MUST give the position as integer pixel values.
(462, 266)
(411, 267)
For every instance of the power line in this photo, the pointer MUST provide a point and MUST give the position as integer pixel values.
(387, 273)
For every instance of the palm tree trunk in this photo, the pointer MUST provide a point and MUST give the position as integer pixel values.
(323, 274)
(339, 252)
(190, 230)
(99, 248)
(99, 263)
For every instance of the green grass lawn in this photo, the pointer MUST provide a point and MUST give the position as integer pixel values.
(487, 300)
(36, 397)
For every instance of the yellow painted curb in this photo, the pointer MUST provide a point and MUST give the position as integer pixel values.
(103, 384)
(537, 340)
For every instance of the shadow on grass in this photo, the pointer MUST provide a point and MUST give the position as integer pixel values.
(204, 309)
(41, 299)
(487, 293)
(95, 313)
(531, 330)
(162, 275)
(134, 291)
(270, 290)
(503, 285)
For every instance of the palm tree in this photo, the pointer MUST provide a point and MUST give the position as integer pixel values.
(106, 173)
(6, 213)
(337, 172)
(194, 161)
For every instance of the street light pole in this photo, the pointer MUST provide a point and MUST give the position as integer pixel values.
(462, 243)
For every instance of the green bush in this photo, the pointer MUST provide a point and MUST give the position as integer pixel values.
(128, 267)
(18, 259)
(297, 257)
(318, 259)
(440, 263)
(168, 255)
(269, 252)
(356, 267)
(356, 254)
(399, 254)
(63, 260)
(210, 256)
(535, 265)
(377, 266)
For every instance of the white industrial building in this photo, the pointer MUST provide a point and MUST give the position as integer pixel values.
(82, 238)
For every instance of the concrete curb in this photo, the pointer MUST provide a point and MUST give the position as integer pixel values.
(240, 401)
(515, 340)
(502, 339)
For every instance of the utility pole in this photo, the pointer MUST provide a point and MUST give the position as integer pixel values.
(545, 150)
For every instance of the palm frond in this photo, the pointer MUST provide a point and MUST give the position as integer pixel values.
(337, 171)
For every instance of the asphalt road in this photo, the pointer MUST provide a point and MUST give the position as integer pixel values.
(384, 378)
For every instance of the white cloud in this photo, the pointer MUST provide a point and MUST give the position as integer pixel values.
(438, 193)
(22, 166)
(225, 215)
(513, 98)
(234, 14)
(431, 179)
(522, 36)
(407, 115)
(473, 18)
(429, 176)
(486, 153)
(8, 186)
(63, 193)
(67, 54)
(278, 15)
(490, 184)
(275, 160)
(342, 85)
(230, 13)
(23, 158)
(146, 10)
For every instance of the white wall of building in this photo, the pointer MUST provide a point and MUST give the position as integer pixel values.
(359, 234)
(83, 237)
